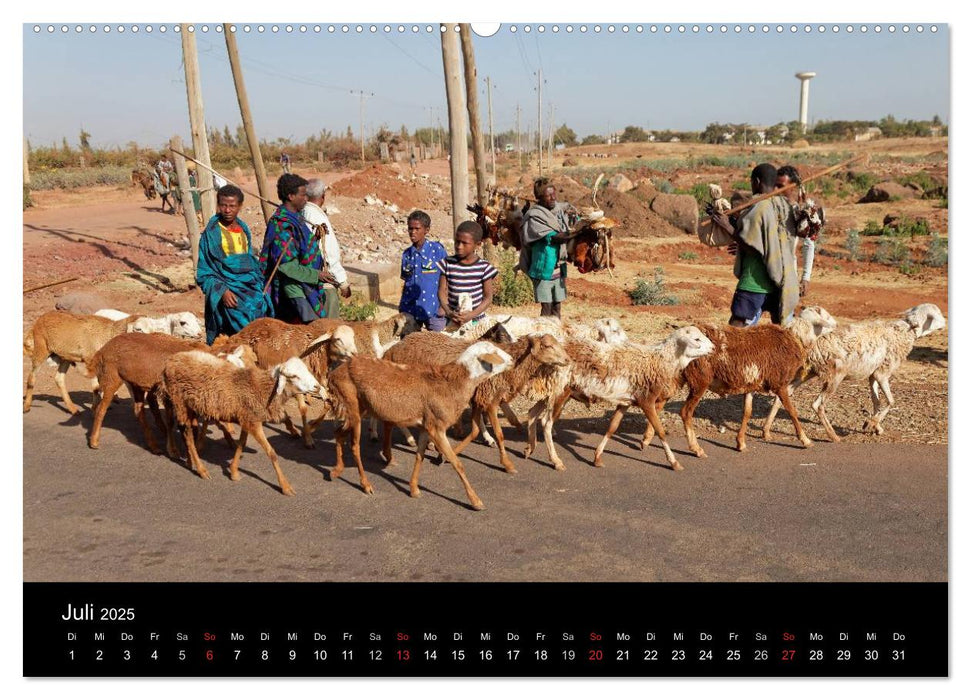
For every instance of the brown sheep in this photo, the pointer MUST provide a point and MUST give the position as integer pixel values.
(762, 358)
(430, 397)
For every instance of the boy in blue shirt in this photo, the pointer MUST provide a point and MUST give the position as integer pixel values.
(420, 273)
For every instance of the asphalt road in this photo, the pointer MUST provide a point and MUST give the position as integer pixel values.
(848, 512)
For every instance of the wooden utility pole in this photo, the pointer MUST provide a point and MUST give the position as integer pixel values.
(259, 170)
(519, 133)
(188, 206)
(472, 93)
(492, 135)
(539, 117)
(26, 165)
(549, 149)
(363, 95)
(459, 163)
(197, 120)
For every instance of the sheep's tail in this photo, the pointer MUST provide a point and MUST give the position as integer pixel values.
(93, 368)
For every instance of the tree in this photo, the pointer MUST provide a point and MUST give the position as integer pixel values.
(228, 137)
(715, 133)
(350, 132)
(593, 140)
(565, 135)
(85, 143)
(634, 134)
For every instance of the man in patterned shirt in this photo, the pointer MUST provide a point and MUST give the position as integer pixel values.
(228, 273)
(420, 273)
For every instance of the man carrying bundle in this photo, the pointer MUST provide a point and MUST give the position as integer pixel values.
(543, 257)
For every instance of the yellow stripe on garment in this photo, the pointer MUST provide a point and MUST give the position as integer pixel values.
(234, 242)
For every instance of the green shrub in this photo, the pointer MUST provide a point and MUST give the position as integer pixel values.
(742, 185)
(912, 227)
(510, 289)
(653, 292)
(70, 178)
(892, 251)
(921, 179)
(28, 202)
(662, 185)
(687, 255)
(862, 182)
(936, 255)
(872, 228)
(852, 244)
(357, 309)
(908, 268)
(700, 192)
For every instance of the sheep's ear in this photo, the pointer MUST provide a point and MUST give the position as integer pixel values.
(317, 341)
(534, 343)
(399, 324)
(489, 361)
(281, 380)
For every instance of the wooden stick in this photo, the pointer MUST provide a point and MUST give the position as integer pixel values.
(50, 284)
(773, 193)
(252, 194)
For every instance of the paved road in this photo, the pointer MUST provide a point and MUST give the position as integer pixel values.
(779, 513)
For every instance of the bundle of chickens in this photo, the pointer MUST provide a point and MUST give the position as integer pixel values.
(501, 218)
(590, 249)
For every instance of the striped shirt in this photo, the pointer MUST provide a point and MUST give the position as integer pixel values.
(465, 278)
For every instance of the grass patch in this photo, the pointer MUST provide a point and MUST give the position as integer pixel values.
(510, 289)
(357, 308)
(936, 254)
(892, 251)
(852, 245)
(687, 255)
(662, 185)
(652, 292)
(71, 178)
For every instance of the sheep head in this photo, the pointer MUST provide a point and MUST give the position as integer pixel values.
(241, 357)
(690, 344)
(184, 324)
(483, 359)
(609, 331)
(404, 323)
(924, 319)
(341, 343)
(548, 350)
(295, 373)
(820, 320)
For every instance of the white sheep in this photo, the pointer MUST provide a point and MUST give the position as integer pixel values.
(871, 350)
(198, 386)
(181, 324)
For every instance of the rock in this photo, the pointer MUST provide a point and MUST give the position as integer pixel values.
(801, 143)
(620, 183)
(331, 209)
(570, 162)
(681, 210)
(885, 191)
(82, 303)
(370, 199)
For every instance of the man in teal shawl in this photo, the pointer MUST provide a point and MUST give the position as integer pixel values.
(293, 252)
(227, 271)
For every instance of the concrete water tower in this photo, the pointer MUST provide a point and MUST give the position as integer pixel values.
(804, 79)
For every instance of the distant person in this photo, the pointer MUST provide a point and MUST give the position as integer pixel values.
(336, 277)
(292, 251)
(285, 162)
(807, 234)
(414, 163)
(543, 257)
(420, 273)
(465, 273)
(227, 271)
(765, 263)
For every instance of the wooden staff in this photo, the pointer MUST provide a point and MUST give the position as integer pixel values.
(792, 185)
(50, 284)
(252, 194)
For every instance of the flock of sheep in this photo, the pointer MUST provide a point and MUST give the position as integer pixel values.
(425, 380)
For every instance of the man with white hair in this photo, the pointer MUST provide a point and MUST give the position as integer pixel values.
(336, 277)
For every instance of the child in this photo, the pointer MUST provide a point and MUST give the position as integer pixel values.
(420, 272)
(465, 273)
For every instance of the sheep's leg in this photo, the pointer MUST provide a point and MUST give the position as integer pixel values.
(611, 429)
(473, 430)
(648, 406)
(649, 429)
(416, 470)
(500, 439)
(441, 442)
(546, 418)
(373, 429)
(783, 394)
(510, 415)
(776, 405)
(339, 436)
(409, 438)
(386, 444)
(687, 418)
(874, 422)
(257, 430)
(62, 367)
(291, 428)
(138, 405)
(190, 443)
(99, 414)
(356, 451)
(227, 433)
(559, 404)
(153, 406)
(486, 436)
(819, 405)
(240, 446)
(31, 380)
(308, 438)
(538, 408)
(170, 446)
(96, 393)
(743, 427)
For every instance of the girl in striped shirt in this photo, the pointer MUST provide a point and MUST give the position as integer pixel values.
(465, 272)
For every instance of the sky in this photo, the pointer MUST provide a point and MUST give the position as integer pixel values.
(128, 86)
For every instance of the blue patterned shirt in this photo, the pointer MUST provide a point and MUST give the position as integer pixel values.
(420, 272)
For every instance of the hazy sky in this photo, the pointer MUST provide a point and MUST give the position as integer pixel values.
(127, 86)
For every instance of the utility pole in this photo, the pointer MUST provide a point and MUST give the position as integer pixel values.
(539, 117)
(519, 145)
(197, 121)
(259, 170)
(459, 162)
(431, 130)
(549, 149)
(492, 136)
(472, 93)
(26, 166)
(364, 95)
(188, 208)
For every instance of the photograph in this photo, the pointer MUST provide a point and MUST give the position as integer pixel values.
(531, 303)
